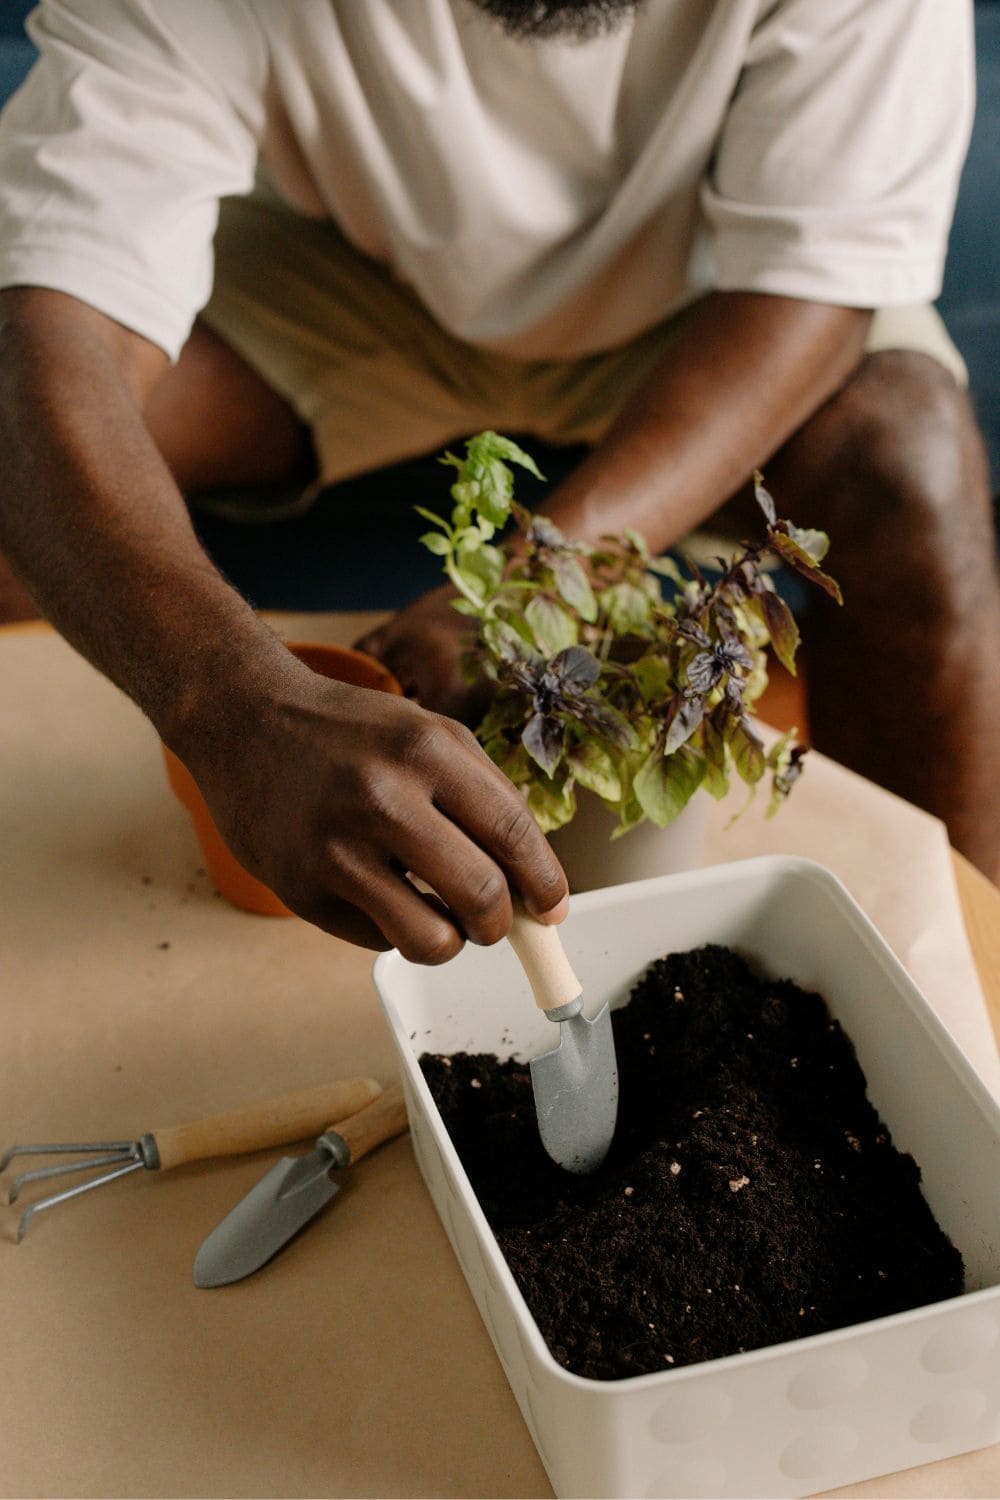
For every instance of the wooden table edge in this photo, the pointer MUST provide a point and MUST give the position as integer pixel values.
(27, 627)
(980, 901)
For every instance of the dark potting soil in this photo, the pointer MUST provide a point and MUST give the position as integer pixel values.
(751, 1195)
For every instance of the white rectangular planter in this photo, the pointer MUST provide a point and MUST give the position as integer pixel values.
(793, 1418)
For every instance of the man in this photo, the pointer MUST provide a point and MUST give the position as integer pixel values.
(659, 229)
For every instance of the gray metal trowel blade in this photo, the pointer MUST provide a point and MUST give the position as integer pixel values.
(281, 1204)
(576, 1092)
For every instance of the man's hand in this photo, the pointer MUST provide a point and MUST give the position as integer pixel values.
(331, 794)
(422, 646)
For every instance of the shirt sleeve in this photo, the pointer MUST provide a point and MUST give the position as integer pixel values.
(837, 168)
(136, 119)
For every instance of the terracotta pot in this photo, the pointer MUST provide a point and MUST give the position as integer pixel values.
(224, 870)
(592, 859)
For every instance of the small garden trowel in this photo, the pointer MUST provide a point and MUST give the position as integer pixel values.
(575, 1083)
(293, 1192)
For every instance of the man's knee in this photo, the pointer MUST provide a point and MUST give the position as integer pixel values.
(219, 425)
(900, 435)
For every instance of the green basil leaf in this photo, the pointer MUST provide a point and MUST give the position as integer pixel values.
(665, 785)
(472, 582)
(713, 748)
(436, 543)
(485, 563)
(574, 585)
(789, 550)
(637, 542)
(748, 752)
(653, 676)
(667, 567)
(551, 805)
(628, 607)
(494, 445)
(816, 543)
(781, 627)
(630, 814)
(593, 768)
(553, 628)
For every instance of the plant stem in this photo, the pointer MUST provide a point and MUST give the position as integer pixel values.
(460, 584)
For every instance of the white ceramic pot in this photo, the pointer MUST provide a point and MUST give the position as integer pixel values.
(592, 859)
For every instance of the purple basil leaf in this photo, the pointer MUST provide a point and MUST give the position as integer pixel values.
(684, 717)
(704, 672)
(744, 579)
(733, 653)
(576, 667)
(543, 740)
(521, 674)
(784, 780)
(734, 694)
(544, 533)
(726, 620)
(692, 631)
(606, 721)
(764, 499)
(509, 645)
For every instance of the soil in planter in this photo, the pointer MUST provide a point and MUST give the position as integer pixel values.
(752, 1194)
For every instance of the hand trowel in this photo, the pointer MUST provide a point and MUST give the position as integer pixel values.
(575, 1083)
(293, 1192)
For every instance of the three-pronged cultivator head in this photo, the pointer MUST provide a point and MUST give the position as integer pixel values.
(121, 1156)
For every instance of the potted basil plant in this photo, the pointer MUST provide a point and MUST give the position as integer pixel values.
(622, 684)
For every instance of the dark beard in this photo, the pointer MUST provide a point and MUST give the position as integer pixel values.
(576, 20)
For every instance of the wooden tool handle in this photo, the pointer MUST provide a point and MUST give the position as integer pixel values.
(541, 955)
(377, 1122)
(271, 1122)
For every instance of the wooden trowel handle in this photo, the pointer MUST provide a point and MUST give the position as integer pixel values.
(542, 957)
(377, 1122)
(271, 1122)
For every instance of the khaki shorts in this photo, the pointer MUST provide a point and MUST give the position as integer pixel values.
(377, 381)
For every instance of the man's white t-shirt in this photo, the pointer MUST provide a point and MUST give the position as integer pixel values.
(544, 198)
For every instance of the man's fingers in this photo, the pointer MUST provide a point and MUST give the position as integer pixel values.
(477, 796)
(343, 920)
(376, 786)
(473, 888)
(413, 921)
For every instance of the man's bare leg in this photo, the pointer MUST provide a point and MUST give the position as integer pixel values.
(219, 425)
(16, 603)
(903, 682)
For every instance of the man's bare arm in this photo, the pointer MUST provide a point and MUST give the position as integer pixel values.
(90, 516)
(329, 793)
(745, 372)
